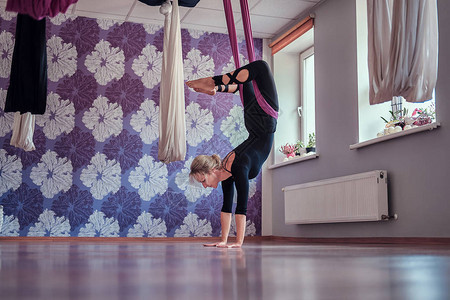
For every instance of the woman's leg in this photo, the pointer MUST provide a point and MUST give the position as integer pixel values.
(225, 222)
(257, 70)
(229, 88)
(204, 85)
(208, 84)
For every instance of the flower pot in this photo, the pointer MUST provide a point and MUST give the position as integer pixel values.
(290, 155)
(300, 152)
(310, 149)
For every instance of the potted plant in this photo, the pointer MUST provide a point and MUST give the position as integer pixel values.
(401, 121)
(300, 148)
(423, 116)
(288, 150)
(397, 118)
(311, 146)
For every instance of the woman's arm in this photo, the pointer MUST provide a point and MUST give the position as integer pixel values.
(242, 190)
(228, 193)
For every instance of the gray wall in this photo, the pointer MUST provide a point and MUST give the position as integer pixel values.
(417, 164)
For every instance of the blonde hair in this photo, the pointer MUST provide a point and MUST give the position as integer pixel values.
(203, 164)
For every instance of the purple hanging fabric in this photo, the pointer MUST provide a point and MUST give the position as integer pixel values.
(233, 39)
(185, 3)
(247, 30)
(251, 56)
(250, 49)
(39, 9)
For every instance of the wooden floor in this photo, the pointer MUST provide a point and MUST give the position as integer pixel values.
(263, 269)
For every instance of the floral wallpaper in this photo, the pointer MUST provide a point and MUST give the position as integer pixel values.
(95, 170)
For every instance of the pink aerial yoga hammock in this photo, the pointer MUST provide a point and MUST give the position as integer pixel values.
(39, 9)
(250, 49)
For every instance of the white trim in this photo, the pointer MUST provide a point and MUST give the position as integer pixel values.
(293, 161)
(380, 139)
(266, 180)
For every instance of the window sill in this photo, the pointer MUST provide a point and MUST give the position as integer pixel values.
(293, 161)
(380, 139)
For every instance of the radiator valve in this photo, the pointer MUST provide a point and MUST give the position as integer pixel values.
(387, 218)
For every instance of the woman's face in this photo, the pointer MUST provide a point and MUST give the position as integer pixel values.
(210, 179)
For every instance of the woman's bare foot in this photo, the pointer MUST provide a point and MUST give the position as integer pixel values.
(206, 84)
(235, 245)
(199, 90)
(217, 244)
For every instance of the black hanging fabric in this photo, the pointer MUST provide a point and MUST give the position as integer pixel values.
(27, 90)
(187, 3)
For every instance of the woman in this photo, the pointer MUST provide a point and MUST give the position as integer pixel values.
(245, 161)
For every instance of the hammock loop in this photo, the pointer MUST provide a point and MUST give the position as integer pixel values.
(165, 8)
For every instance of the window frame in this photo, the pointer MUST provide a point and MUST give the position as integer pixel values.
(304, 106)
(303, 45)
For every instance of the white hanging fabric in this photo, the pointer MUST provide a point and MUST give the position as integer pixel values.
(403, 49)
(414, 44)
(172, 124)
(379, 39)
(23, 130)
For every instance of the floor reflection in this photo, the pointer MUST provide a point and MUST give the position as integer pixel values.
(171, 270)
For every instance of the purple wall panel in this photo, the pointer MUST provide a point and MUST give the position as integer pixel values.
(95, 170)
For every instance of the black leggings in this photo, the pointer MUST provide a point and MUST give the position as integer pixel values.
(253, 152)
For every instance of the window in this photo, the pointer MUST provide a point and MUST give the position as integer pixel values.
(307, 109)
(370, 117)
(294, 77)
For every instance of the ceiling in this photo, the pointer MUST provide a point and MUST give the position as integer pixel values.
(269, 18)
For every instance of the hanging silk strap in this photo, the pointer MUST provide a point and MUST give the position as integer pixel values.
(233, 39)
(247, 30)
(172, 124)
(23, 130)
(250, 48)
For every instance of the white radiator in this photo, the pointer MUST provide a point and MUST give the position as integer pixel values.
(359, 197)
